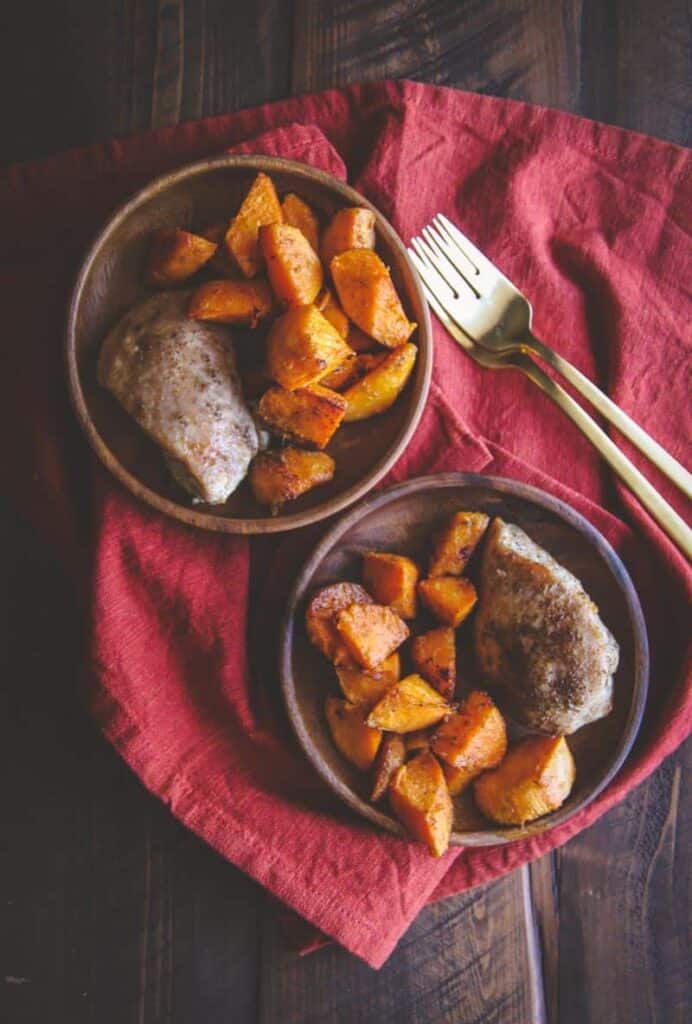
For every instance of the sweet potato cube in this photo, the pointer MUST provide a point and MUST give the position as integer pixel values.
(371, 633)
(368, 297)
(303, 347)
(417, 741)
(298, 214)
(391, 579)
(354, 739)
(293, 266)
(457, 778)
(434, 656)
(361, 687)
(352, 228)
(330, 308)
(261, 206)
(320, 619)
(379, 389)
(342, 375)
(241, 303)
(389, 758)
(472, 740)
(309, 415)
(456, 542)
(176, 255)
(419, 798)
(280, 476)
(535, 777)
(409, 705)
(449, 598)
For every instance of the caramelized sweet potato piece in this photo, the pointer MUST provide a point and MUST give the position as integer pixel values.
(449, 598)
(280, 476)
(309, 415)
(472, 740)
(293, 267)
(434, 656)
(369, 298)
(409, 705)
(391, 579)
(371, 633)
(354, 739)
(342, 375)
(456, 542)
(360, 687)
(241, 303)
(176, 255)
(457, 779)
(330, 308)
(298, 214)
(379, 389)
(389, 758)
(352, 228)
(303, 347)
(320, 619)
(417, 741)
(535, 777)
(261, 206)
(419, 798)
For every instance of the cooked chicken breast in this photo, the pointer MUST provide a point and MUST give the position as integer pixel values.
(178, 379)
(539, 640)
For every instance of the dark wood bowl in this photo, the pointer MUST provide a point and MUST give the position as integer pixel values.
(402, 519)
(111, 280)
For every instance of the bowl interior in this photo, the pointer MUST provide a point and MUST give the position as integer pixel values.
(402, 520)
(112, 281)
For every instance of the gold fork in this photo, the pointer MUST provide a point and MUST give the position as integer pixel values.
(442, 291)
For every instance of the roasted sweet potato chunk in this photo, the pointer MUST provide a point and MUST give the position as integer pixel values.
(357, 741)
(535, 777)
(409, 705)
(417, 741)
(352, 228)
(390, 756)
(379, 389)
(303, 347)
(320, 619)
(419, 798)
(371, 632)
(434, 656)
(369, 298)
(391, 579)
(241, 303)
(176, 255)
(472, 740)
(293, 267)
(298, 214)
(343, 375)
(280, 476)
(361, 687)
(330, 308)
(309, 415)
(449, 598)
(261, 206)
(456, 542)
(457, 778)
(359, 340)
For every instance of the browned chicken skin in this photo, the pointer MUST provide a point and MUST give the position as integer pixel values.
(539, 641)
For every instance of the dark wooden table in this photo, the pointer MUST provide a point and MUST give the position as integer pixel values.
(111, 911)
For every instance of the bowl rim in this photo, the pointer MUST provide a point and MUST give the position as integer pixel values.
(263, 524)
(640, 661)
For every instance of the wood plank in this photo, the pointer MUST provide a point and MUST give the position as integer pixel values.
(463, 959)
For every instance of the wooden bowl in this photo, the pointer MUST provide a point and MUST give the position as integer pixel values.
(111, 280)
(402, 519)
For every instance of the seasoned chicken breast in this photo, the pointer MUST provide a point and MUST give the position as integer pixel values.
(178, 379)
(539, 640)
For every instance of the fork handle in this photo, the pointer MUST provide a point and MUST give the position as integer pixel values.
(660, 458)
(666, 516)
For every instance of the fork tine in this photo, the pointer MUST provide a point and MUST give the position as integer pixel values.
(445, 256)
(484, 267)
(438, 309)
(428, 271)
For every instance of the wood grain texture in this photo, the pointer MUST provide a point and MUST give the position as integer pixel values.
(111, 912)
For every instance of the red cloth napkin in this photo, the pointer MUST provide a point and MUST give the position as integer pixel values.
(593, 223)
